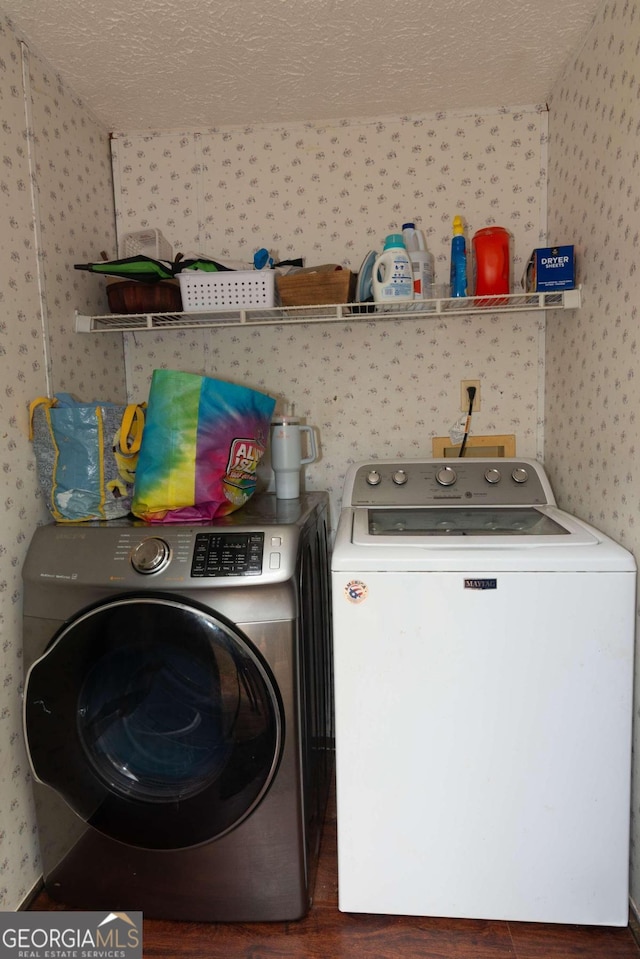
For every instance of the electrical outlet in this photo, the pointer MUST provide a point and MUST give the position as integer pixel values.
(464, 396)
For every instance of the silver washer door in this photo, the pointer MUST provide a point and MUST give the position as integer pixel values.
(156, 719)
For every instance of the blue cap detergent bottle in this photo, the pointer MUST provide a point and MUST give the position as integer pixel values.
(392, 278)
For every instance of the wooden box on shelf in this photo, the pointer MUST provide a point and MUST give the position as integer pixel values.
(315, 289)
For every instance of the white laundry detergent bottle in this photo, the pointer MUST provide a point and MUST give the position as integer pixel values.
(392, 279)
(422, 261)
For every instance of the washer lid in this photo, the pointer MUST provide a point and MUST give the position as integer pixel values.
(467, 528)
(578, 547)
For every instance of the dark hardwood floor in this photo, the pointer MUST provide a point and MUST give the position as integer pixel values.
(327, 933)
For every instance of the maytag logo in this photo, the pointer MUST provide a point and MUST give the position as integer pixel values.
(481, 584)
(71, 935)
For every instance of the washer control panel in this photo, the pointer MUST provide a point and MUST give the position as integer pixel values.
(227, 554)
(203, 554)
(474, 481)
(258, 546)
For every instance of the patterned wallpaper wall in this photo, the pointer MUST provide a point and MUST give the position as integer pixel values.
(372, 389)
(331, 193)
(21, 350)
(592, 443)
(48, 141)
(75, 223)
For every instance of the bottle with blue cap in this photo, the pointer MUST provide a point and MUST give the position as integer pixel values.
(392, 278)
(458, 259)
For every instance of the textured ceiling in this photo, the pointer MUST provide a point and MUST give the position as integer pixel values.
(157, 64)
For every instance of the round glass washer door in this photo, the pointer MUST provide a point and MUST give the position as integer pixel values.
(157, 720)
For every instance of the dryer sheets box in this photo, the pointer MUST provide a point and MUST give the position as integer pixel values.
(550, 269)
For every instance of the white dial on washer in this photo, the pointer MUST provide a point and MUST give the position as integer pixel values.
(446, 476)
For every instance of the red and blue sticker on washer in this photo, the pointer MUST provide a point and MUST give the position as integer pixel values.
(356, 591)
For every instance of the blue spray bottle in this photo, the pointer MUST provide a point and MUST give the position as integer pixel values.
(458, 259)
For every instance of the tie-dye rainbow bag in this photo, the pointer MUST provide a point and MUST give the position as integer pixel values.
(201, 446)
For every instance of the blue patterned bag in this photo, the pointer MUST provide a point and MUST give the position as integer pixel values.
(86, 456)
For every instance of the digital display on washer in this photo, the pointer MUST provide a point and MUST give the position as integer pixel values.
(462, 522)
(227, 554)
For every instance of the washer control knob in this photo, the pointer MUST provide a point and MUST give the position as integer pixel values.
(493, 475)
(446, 476)
(400, 477)
(150, 556)
(519, 475)
(373, 478)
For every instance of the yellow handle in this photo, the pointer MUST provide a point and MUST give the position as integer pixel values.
(33, 405)
(131, 429)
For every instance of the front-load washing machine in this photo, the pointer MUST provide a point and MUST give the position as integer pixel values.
(483, 643)
(178, 710)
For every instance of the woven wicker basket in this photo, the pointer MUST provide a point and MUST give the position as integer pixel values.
(131, 296)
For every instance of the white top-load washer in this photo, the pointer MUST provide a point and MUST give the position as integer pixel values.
(483, 643)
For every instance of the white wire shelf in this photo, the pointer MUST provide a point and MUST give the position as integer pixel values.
(332, 313)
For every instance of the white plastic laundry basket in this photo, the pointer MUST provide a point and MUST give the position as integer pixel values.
(233, 289)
